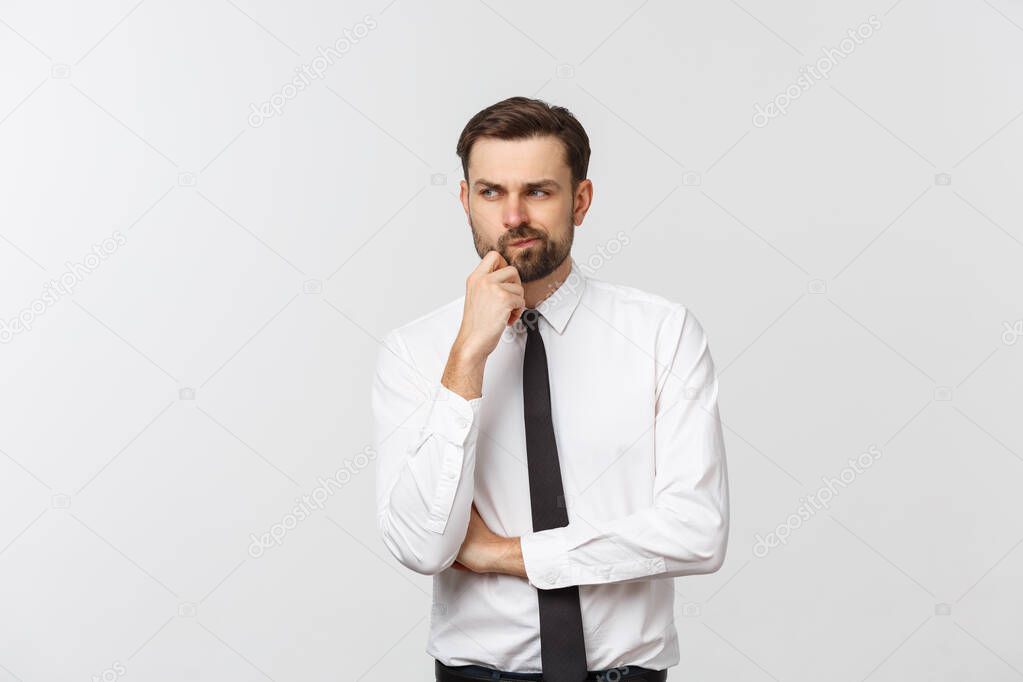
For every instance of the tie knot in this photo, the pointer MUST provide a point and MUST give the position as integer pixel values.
(531, 319)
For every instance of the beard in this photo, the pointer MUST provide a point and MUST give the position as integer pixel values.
(535, 261)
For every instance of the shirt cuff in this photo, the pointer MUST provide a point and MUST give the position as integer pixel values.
(451, 415)
(543, 555)
(549, 563)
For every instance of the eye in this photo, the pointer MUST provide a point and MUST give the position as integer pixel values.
(483, 192)
(543, 192)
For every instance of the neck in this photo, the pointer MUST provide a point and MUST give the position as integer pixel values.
(538, 290)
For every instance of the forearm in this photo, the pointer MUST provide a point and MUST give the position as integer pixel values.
(507, 558)
(463, 372)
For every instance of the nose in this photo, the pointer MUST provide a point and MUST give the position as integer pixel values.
(514, 211)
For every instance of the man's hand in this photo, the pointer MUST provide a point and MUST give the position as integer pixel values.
(484, 551)
(494, 299)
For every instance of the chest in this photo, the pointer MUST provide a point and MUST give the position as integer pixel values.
(602, 408)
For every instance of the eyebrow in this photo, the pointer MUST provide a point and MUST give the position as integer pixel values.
(534, 184)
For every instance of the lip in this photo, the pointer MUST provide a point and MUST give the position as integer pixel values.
(524, 242)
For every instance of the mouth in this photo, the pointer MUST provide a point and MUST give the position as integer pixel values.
(524, 242)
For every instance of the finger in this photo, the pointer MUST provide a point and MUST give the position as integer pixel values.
(506, 274)
(520, 302)
(492, 260)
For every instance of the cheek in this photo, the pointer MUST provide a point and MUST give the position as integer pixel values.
(542, 213)
(551, 214)
(487, 215)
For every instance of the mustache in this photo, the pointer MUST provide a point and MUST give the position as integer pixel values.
(519, 235)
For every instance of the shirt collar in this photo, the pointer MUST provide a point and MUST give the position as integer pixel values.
(559, 306)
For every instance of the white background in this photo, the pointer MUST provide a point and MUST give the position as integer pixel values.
(855, 262)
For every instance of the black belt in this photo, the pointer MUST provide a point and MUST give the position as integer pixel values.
(459, 673)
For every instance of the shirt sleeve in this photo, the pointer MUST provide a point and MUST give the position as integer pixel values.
(424, 435)
(685, 531)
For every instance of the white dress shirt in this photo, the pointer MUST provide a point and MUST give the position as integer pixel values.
(634, 406)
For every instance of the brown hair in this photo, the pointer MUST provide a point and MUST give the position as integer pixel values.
(519, 118)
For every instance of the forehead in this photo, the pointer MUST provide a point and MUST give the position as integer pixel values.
(506, 161)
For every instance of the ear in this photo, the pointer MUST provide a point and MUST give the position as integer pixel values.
(463, 196)
(581, 201)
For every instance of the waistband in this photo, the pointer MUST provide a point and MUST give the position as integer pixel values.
(461, 673)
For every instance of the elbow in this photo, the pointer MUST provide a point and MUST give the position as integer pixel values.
(706, 543)
(708, 559)
(717, 546)
(716, 559)
(423, 566)
(429, 564)
(425, 559)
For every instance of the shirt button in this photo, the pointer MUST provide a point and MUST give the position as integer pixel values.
(463, 422)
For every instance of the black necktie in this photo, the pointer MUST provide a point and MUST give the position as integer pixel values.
(562, 648)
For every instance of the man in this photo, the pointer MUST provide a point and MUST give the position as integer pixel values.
(549, 447)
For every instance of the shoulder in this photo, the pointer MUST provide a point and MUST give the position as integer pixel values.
(669, 322)
(633, 300)
(429, 331)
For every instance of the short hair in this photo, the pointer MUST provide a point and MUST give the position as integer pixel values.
(518, 118)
